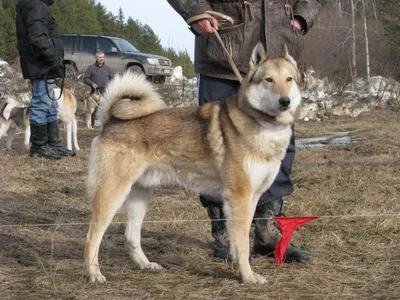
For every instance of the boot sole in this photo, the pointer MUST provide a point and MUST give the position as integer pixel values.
(45, 156)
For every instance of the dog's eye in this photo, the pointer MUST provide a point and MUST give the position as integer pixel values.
(289, 79)
(269, 79)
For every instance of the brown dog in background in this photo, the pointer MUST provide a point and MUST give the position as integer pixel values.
(91, 103)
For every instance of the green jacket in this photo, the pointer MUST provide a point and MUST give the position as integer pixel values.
(255, 20)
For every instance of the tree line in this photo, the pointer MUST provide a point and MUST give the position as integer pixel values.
(351, 38)
(355, 38)
(89, 17)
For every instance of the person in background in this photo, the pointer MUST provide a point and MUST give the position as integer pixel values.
(98, 75)
(273, 23)
(41, 53)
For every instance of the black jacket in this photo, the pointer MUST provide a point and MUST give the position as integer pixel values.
(39, 39)
(98, 75)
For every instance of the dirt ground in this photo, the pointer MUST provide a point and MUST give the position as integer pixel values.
(355, 189)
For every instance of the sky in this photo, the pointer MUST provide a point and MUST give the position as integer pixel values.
(161, 17)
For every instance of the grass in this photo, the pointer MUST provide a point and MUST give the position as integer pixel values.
(354, 244)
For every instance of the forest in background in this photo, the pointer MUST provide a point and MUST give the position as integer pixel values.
(91, 17)
(351, 38)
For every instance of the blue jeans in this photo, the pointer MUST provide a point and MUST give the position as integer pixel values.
(43, 109)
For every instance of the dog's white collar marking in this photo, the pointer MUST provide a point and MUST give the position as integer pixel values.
(269, 125)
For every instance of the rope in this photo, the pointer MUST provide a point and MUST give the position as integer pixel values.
(195, 220)
(226, 19)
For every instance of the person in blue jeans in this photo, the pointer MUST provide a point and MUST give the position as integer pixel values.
(41, 54)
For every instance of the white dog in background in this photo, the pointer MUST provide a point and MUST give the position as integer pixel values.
(15, 114)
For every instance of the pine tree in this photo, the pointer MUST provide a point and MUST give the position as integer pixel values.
(8, 39)
(89, 17)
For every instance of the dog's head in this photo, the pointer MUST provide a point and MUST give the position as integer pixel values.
(271, 92)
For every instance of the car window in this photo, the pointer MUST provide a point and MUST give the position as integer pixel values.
(106, 46)
(125, 46)
(88, 44)
(68, 42)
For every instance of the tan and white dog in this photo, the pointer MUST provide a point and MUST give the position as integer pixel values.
(14, 114)
(91, 103)
(231, 149)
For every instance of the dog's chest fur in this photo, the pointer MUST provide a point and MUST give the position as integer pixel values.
(268, 148)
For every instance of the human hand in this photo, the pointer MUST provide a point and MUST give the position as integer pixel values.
(94, 86)
(57, 64)
(296, 23)
(204, 27)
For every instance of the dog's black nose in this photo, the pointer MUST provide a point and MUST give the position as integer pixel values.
(284, 101)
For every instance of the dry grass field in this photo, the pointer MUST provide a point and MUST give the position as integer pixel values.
(355, 243)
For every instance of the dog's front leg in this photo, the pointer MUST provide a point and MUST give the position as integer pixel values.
(239, 212)
(89, 120)
(27, 136)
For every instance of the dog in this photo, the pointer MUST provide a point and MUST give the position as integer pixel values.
(12, 117)
(231, 149)
(90, 104)
(15, 115)
(66, 110)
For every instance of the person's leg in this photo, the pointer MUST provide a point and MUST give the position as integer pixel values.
(209, 90)
(266, 233)
(53, 130)
(40, 108)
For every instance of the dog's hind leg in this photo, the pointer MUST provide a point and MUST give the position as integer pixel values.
(109, 182)
(107, 200)
(4, 128)
(69, 135)
(136, 206)
(239, 210)
(75, 134)
(11, 135)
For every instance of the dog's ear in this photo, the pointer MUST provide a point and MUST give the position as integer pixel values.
(285, 54)
(258, 55)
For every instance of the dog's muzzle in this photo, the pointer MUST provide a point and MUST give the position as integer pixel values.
(284, 103)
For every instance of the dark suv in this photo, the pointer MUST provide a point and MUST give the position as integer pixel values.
(120, 55)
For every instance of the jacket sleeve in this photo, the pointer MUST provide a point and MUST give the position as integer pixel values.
(38, 33)
(190, 8)
(308, 10)
(88, 77)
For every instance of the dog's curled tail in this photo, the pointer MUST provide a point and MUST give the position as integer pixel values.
(128, 97)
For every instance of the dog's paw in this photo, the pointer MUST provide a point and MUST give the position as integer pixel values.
(254, 278)
(151, 266)
(93, 278)
(77, 149)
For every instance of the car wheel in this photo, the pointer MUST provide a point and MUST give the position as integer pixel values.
(161, 79)
(136, 70)
(70, 71)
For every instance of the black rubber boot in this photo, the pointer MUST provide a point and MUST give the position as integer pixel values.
(39, 143)
(55, 141)
(220, 245)
(267, 234)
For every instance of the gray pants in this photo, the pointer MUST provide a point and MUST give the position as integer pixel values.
(212, 89)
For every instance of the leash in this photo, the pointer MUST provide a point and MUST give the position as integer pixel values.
(225, 20)
(55, 83)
